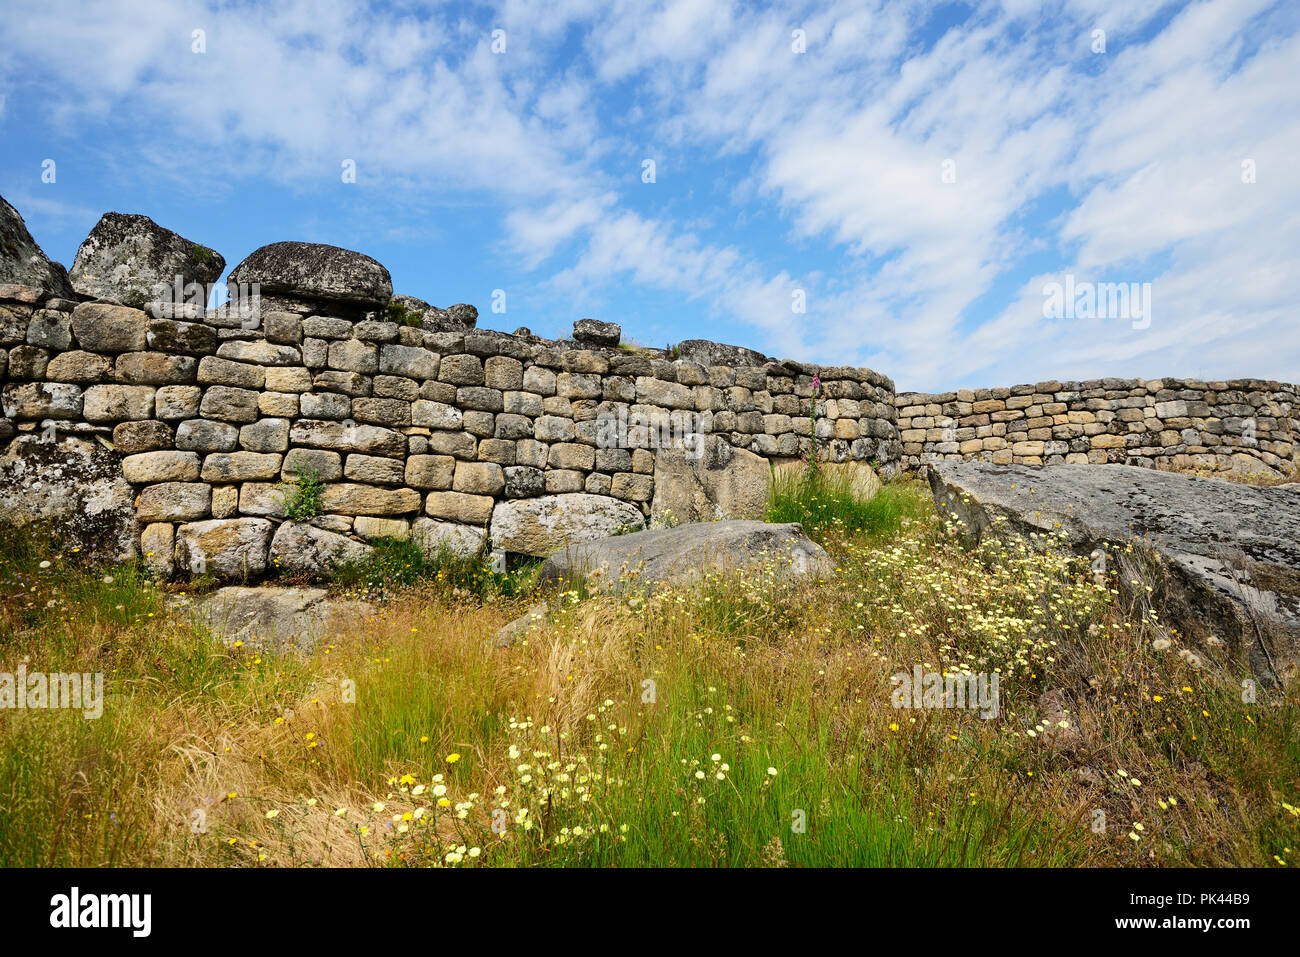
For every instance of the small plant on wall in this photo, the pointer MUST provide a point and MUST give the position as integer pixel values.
(303, 496)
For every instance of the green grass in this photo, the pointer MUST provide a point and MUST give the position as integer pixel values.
(828, 506)
(766, 673)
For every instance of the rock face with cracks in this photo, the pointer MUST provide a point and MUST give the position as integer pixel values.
(1230, 553)
(127, 258)
(316, 271)
(274, 616)
(22, 262)
(683, 554)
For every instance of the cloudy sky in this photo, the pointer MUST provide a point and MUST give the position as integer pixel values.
(915, 174)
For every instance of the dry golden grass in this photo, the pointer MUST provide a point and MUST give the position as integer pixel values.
(769, 700)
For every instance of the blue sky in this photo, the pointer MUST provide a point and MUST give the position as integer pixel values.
(776, 171)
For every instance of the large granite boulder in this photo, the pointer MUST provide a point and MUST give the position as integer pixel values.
(314, 271)
(539, 526)
(23, 264)
(593, 332)
(72, 489)
(643, 560)
(229, 549)
(432, 536)
(127, 257)
(303, 550)
(1231, 552)
(272, 616)
(708, 353)
(710, 481)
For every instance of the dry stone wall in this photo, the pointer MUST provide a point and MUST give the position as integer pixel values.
(453, 438)
(1243, 427)
(141, 423)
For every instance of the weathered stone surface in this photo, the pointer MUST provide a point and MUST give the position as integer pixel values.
(719, 482)
(349, 499)
(1231, 551)
(149, 435)
(540, 526)
(154, 368)
(231, 549)
(104, 327)
(370, 528)
(459, 507)
(241, 467)
(205, 435)
(368, 439)
(288, 379)
(325, 405)
(28, 362)
(229, 404)
(42, 400)
(524, 481)
(116, 403)
(265, 435)
(271, 616)
(683, 554)
(191, 338)
(430, 471)
(74, 487)
(263, 499)
(129, 259)
(316, 271)
(390, 412)
(50, 330)
(433, 536)
(478, 478)
(301, 549)
(77, 366)
(410, 361)
(173, 502)
(158, 549)
(708, 353)
(353, 355)
(461, 370)
(22, 263)
(435, 415)
(597, 333)
(174, 402)
(374, 469)
(153, 467)
(225, 500)
(321, 465)
(214, 370)
(260, 353)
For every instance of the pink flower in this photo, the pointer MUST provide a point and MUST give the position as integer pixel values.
(817, 382)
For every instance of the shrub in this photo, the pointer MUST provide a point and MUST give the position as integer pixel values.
(396, 312)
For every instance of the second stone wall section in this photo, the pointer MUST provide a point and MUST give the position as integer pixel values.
(1243, 427)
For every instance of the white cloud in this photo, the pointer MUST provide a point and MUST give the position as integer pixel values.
(1136, 154)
